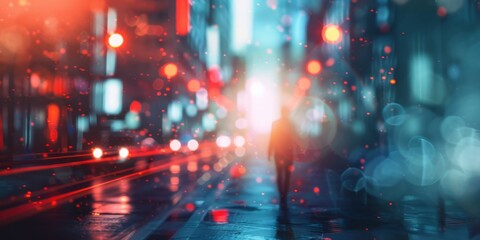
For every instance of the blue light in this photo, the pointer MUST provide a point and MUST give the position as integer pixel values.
(112, 98)
(175, 111)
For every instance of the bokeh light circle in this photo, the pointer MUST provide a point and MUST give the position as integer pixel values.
(169, 70)
(314, 67)
(115, 40)
(192, 145)
(123, 153)
(315, 123)
(97, 153)
(175, 145)
(332, 34)
(353, 179)
(394, 114)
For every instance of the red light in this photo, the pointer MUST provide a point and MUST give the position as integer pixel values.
(190, 207)
(314, 67)
(387, 49)
(237, 171)
(182, 17)
(193, 85)
(442, 12)
(135, 106)
(53, 117)
(220, 215)
(115, 40)
(332, 34)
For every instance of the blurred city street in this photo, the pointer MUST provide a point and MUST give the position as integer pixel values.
(240, 119)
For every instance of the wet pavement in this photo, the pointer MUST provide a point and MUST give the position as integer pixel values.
(239, 201)
(247, 208)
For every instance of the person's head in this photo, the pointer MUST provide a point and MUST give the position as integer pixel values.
(285, 112)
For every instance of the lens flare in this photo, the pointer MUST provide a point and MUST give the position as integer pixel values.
(123, 153)
(97, 153)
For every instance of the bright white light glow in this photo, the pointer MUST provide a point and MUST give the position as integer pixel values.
(123, 153)
(202, 99)
(242, 19)
(97, 153)
(223, 141)
(115, 40)
(192, 145)
(112, 98)
(257, 89)
(263, 105)
(175, 145)
(239, 141)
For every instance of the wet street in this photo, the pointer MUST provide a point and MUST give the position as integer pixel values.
(240, 119)
(187, 196)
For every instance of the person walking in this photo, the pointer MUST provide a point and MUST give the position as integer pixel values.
(282, 144)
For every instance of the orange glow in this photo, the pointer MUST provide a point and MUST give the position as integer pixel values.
(393, 81)
(193, 85)
(314, 67)
(316, 190)
(175, 169)
(332, 34)
(135, 106)
(304, 83)
(115, 40)
(53, 117)
(182, 16)
(170, 70)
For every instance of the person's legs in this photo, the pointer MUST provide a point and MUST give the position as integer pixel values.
(280, 165)
(288, 168)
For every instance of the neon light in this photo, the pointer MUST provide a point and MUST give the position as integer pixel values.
(111, 20)
(112, 103)
(111, 62)
(202, 99)
(213, 47)
(242, 19)
(175, 111)
(182, 14)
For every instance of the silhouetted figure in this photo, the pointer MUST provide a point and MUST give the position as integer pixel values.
(282, 146)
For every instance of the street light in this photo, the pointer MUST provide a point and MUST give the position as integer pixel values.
(115, 40)
(332, 34)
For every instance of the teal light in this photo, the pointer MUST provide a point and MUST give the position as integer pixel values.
(112, 96)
